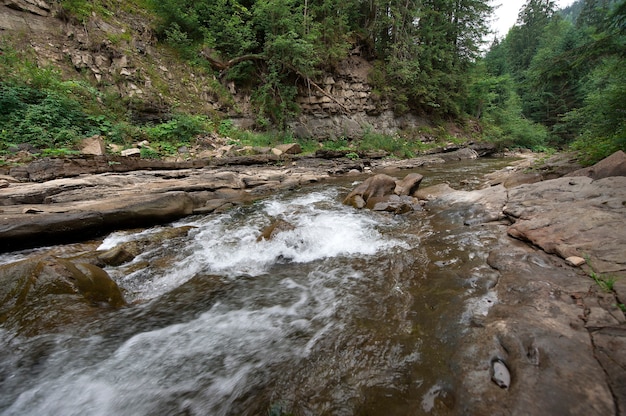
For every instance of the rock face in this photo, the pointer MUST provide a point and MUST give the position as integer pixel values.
(77, 208)
(535, 330)
(553, 341)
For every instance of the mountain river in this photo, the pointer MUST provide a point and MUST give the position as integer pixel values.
(345, 312)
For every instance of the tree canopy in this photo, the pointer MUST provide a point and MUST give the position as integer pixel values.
(560, 74)
(425, 47)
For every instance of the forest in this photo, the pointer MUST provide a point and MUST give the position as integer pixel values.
(557, 80)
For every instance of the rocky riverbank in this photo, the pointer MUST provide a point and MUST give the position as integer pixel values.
(546, 337)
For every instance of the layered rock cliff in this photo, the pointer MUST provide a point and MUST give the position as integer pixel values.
(119, 54)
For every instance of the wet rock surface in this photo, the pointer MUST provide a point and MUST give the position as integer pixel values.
(550, 339)
(557, 326)
(47, 294)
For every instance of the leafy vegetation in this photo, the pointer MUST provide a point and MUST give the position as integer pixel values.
(556, 80)
(604, 282)
(37, 107)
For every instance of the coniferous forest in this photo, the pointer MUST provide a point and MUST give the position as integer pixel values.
(557, 80)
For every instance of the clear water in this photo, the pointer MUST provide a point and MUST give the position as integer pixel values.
(349, 312)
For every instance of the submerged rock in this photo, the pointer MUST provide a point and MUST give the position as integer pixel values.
(276, 227)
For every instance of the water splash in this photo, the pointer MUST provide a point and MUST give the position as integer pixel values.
(229, 245)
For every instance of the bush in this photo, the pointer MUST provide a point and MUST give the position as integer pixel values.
(182, 128)
(42, 118)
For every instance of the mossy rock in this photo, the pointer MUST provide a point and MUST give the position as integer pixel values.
(46, 294)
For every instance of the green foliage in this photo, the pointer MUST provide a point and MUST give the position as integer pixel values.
(58, 152)
(149, 153)
(39, 108)
(605, 282)
(395, 145)
(337, 144)
(424, 47)
(45, 119)
(182, 128)
(557, 82)
(603, 115)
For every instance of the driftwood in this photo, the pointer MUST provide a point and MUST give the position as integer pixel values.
(221, 65)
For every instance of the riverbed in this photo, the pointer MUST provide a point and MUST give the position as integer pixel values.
(343, 312)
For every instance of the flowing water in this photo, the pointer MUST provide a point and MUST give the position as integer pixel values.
(344, 312)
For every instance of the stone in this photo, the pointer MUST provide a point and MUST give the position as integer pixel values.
(376, 186)
(61, 222)
(434, 191)
(461, 154)
(614, 165)
(116, 256)
(134, 152)
(536, 332)
(575, 261)
(276, 227)
(573, 216)
(290, 148)
(37, 7)
(43, 294)
(276, 152)
(93, 145)
(409, 185)
(30, 210)
(115, 148)
(500, 374)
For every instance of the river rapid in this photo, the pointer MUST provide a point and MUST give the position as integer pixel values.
(344, 312)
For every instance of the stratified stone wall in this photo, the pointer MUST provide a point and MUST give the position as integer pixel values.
(344, 105)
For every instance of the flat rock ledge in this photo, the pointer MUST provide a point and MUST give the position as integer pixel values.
(553, 340)
(71, 209)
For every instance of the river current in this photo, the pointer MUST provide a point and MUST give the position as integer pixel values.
(345, 312)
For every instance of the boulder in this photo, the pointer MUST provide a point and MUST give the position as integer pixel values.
(46, 294)
(376, 186)
(276, 227)
(614, 165)
(290, 148)
(435, 191)
(471, 207)
(127, 251)
(460, 154)
(393, 203)
(408, 185)
(133, 152)
(93, 146)
(91, 218)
